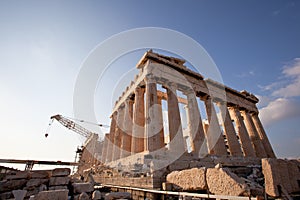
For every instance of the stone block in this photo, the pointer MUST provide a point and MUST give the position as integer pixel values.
(8, 185)
(84, 196)
(59, 187)
(6, 195)
(82, 187)
(61, 172)
(281, 176)
(223, 182)
(19, 194)
(52, 195)
(32, 192)
(188, 180)
(117, 195)
(96, 195)
(40, 174)
(59, 181)
(32, 183)
(18, 175)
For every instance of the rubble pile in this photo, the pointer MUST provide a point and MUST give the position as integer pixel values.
(45, 184)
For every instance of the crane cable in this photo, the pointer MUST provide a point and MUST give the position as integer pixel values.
(70, 118)
(83, 121)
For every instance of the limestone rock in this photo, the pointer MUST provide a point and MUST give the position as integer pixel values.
(61, 172)
(8, 185)
(281, 176)
(40, 174)
(84, 196)
(96, 195)
(59, 187)
(6, 195)
(35, 182)
(189, 180)
(59, 181)
(223, 182)
(19, 194)
(18, 175)
(82, 187)
(117, 195)
(52, 195)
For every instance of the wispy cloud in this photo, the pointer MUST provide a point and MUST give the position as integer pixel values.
(284, 101)
(246, 74)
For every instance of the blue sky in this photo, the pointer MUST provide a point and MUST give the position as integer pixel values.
(43, 44)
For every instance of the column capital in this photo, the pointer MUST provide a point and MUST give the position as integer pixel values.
(139, 90)
(150, 78)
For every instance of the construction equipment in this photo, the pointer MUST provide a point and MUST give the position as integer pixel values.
(70, 124)
(86, 155)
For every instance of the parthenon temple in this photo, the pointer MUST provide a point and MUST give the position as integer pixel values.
(137, 125)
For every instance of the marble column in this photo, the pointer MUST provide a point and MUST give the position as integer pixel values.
(118, 133)
(194, 123)
(153, 123)
(127, 133)
(232, 140)
(161, 123)
(104, 148)
(214, 136)
(137, 144)
(177, 142)
(111, 138)
(242, 132)
(255, 140)
(263, 136)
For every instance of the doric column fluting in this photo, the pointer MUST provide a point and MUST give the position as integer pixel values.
(214, 136)
(118, 133)
(194, 123)
(153, 123)
(105, 147)
(137, 144)
(177, 142)
(160, 121)
(242, 132)
(127, 131)
(232, 140)
(111, 141)
(254, 137)
(263, 136)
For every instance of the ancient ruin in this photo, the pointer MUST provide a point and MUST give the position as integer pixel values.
(231, 137)
(173, 133)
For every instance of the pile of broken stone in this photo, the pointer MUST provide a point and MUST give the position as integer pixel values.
(46, 184)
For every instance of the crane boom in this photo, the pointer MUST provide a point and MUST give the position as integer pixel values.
(72, 126)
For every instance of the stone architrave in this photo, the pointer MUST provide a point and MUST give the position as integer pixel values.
(152, 124)
(195, 126)
(255, 140)
(111, 141)
(177, 142)
(233, 143)
(137, 144)
(242, 132)
(118, 133)
(263, 136)
(214, 136)
(127, 124)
